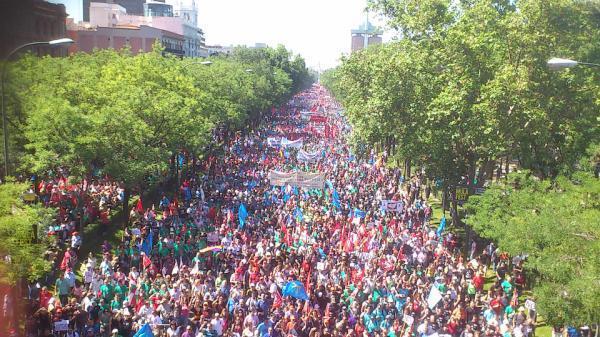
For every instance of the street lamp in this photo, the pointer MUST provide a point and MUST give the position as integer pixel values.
(556, 63)
(58, 42)
(204, 63)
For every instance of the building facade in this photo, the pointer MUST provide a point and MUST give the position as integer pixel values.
(365, 35)
(138, 39)
(133, 7)
(112, 15)
(24, 21)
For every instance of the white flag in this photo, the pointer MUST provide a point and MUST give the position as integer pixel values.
(175, 270)
(195, 269)
(434, 297)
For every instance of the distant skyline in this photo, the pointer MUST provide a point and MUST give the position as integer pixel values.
(319, 30)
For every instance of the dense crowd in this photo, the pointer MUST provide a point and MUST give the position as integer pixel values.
(233, 255)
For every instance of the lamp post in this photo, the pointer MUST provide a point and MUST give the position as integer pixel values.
(58, 42)
(556, 63)
(204, 63)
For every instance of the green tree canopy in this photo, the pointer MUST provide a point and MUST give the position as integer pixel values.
(557, 224)
(18, 225)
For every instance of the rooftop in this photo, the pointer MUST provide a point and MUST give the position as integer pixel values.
(368, 28)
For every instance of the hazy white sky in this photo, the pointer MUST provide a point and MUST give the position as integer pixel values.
(319, 30)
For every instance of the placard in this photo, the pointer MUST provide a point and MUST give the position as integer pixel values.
(61, 325)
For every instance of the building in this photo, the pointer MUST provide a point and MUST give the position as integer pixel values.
(74, 8)
(181, 22)
(187, 10)
(219, 50)
(156, 8)
(23, 21)
(365, 35)
(133, 7)
(138, 39)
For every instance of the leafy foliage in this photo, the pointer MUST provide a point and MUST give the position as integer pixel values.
(127, 115)
(17, 237)
(557, 224)
(468, 85)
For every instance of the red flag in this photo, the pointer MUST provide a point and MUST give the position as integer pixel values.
(278, 300)
(139, 207)
(146, 261)
(308, 280)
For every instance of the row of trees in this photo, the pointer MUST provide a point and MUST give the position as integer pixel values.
(128, 116)
(556, 223)
(466, 86)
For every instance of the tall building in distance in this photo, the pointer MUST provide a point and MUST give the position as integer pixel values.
(365, 35)
(133, 7)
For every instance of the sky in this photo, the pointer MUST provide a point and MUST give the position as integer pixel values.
(319, 30)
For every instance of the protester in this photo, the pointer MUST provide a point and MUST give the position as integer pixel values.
(288, 232)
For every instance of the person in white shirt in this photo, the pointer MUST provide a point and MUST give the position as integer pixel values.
(217, 324)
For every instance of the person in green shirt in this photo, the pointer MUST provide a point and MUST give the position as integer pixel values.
(507, 286)
(116, 303)
(63, 288)
(107, 290)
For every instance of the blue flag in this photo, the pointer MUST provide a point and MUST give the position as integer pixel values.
(145, 331)
(147, 244)
(295, 289)
(242, 215)
(336, 200)
(359, 214)
(329, 184)
(442, 226)
(298, 214)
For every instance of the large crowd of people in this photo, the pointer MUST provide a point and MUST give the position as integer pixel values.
(235, 253)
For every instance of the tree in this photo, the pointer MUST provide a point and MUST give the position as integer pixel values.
(475, 89)
(21, 235)
(557, 224)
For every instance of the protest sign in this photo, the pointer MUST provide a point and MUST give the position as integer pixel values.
(392, 206)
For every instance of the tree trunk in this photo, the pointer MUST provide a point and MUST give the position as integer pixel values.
(125, 207)
(499, 170)
(506, 168)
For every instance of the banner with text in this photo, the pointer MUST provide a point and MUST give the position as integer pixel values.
(296, 144)
(297, 179)
(308, 156)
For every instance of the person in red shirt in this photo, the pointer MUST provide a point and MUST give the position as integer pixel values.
(45, 296)
(478, 281)
(496, 305)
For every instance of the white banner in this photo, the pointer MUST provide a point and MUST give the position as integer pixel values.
(297, 179)
(273, 142)
(278, 178)
(296, 144)
(392, 206)
(308, 156)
